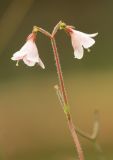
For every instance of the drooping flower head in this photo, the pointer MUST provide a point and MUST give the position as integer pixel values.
(29, 52)
(79, 40)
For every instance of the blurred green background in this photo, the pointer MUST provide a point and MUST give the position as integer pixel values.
(32, 123)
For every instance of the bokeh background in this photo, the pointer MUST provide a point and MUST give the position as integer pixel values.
(32, 123)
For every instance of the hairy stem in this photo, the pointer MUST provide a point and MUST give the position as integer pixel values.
(56, 28)
(36, 29)
(66, 106)
(59, 71)
(74, 136)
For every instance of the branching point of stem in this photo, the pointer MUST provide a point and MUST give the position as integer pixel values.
(62, 94)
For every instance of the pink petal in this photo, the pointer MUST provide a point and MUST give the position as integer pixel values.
(18, 56)
(85, 39)
(29, 54)
(28, 62)
(87, 42)
(78, 52)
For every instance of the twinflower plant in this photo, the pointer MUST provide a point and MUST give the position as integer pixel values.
(29, 54)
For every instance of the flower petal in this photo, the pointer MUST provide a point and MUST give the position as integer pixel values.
(18, 56)
(41, 63)
(31, 51)
(93, 35)
(29, 54)
(28, 62)
(87, 42)
(78, 52)
(85, 39)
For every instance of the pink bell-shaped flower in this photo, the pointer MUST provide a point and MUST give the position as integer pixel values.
(29, 53)
(80, 41)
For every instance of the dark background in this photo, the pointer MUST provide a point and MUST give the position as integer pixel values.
(32, 123)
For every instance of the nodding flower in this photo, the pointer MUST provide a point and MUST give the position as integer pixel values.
(80, 41)
(29, 53)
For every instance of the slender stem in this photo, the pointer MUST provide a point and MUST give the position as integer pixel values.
(59, 71)
(36, 29)
(56, 28)
(84, 134)
(44, 32)
(96, 125)
(95, 132)
(75, 137)
(60, 97)
(64, 94)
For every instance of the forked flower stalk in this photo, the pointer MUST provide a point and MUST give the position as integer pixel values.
(62, 86)
(29, 54)
(60, 89)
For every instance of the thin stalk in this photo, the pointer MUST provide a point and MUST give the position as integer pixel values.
(64, 94)
(74, 136)
(85, 135)
(59, 71)
(95, 131)
(36, 29)
(56, 28)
